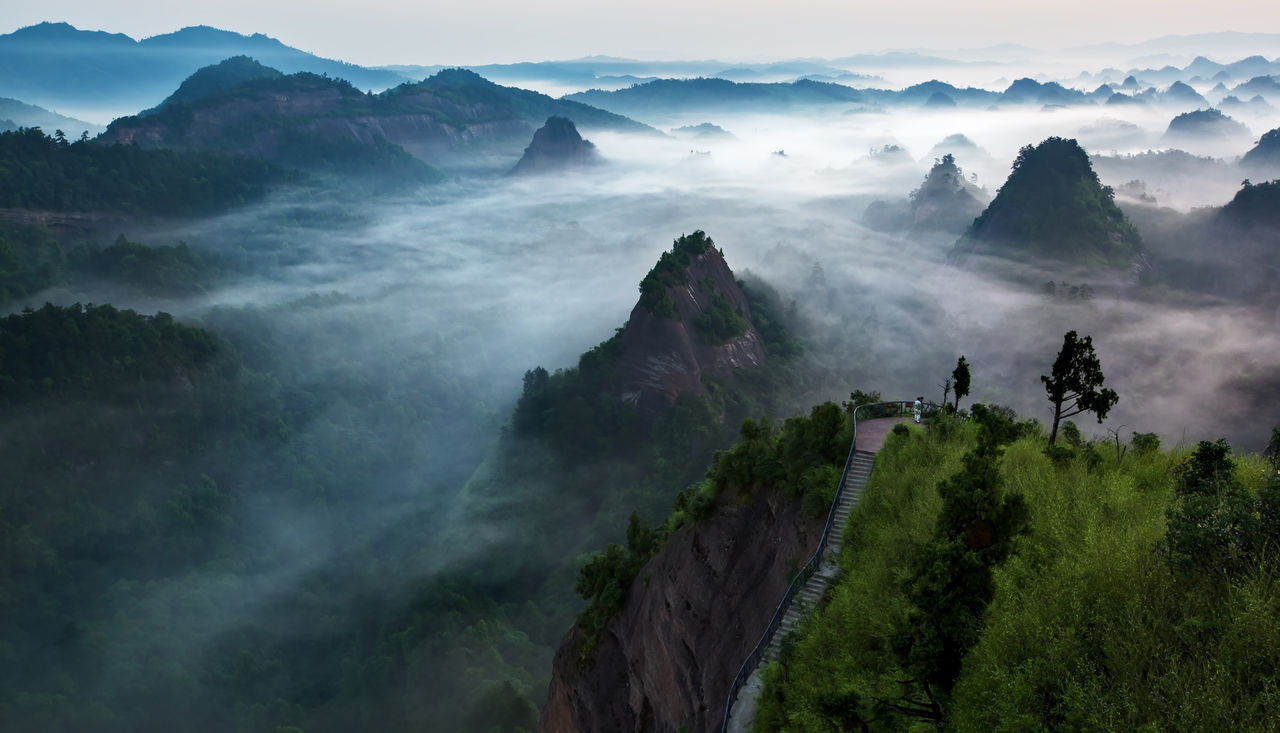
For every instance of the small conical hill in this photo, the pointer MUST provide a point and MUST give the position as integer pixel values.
(1053, 206)
(557, 147)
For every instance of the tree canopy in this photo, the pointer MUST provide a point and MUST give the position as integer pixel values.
(1075, 384)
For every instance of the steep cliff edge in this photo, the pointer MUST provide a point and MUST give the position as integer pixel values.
(692, 320)
(691, 615)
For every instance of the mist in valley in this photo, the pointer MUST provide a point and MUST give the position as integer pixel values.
(402, 326)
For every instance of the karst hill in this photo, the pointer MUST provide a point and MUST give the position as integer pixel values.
(1053, 206)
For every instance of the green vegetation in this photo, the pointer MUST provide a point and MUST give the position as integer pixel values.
(249, 117)
(32, 259)
(79, 351)
(139, 587)
(1074, 385)
(219, 78)
(44, 173)
(804, 459)
(464, 88)
(671, 271)
(1255, 206)
(722, 322)
(173, 270)
(1052, 205)
(1145, 595)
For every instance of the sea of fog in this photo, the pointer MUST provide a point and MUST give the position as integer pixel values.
(500, 275)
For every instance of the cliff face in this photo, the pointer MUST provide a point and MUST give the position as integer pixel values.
(664, 355)
(691, 616)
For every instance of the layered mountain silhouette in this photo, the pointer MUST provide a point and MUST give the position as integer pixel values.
(1053, 206)
(318, 123)
(57, 65)
(1228, 251)
(21, 114)
(220, 77)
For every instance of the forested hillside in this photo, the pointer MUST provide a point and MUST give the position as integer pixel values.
(145, 587)
(989, 584)
(51, 173)
(1053, 206)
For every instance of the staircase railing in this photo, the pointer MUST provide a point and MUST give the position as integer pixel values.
(895, 408)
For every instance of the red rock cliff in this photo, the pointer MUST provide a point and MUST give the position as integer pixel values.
(662, 356)
(692, 614)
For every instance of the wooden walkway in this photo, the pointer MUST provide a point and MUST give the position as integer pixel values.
(871, 435)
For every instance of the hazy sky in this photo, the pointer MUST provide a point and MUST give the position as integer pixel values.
(480, 31)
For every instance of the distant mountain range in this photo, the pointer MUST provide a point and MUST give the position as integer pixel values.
(58, 66)
(664, 99)
(1169, 49)
(15, 114)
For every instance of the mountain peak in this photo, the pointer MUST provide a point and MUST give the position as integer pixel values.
(47, 32)
(556, 147)
(1053, 205)
(692, 319)
(220, 77)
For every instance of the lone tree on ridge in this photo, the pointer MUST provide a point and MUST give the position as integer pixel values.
(1075, 385)
(961, 379)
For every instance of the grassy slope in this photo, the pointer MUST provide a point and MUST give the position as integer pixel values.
(1089, 629)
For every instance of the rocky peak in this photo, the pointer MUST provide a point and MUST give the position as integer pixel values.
(692, 320)
(556, 147)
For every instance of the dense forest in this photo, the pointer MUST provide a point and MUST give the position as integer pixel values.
(1053, 206)
(142, 456)
(50, 173)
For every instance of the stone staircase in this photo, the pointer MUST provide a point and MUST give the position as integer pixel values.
(743, 712)
(855, 481)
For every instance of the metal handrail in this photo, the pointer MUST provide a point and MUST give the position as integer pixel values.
(806, 572)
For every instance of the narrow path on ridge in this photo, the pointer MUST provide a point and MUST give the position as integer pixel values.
(869, 438)
(871, 432)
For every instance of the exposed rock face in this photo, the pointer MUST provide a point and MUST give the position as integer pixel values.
(557, 147)
(692, 614)
(665, 355)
